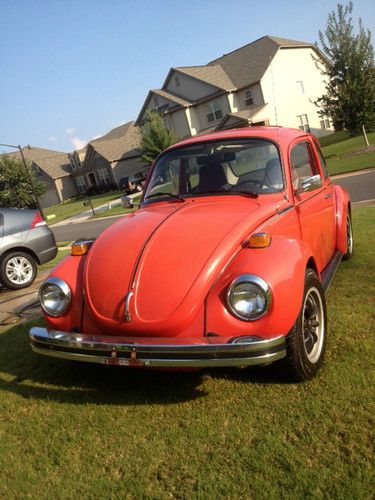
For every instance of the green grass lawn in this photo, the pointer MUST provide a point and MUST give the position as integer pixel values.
(338, 154)
(52, 263)
(76, 206)
(80, 431)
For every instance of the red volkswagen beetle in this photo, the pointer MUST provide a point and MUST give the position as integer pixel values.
(226, 262)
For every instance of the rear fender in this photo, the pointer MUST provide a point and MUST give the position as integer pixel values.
(70, 270)
(342, 205)
(282, 265)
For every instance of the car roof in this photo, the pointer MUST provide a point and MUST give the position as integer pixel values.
(275, 134)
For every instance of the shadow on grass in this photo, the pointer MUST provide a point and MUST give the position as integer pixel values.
(33, 376)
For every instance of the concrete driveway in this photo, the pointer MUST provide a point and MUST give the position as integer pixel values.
(20, 305)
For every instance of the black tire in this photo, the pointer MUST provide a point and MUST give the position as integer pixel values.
(24, 267)
(349, 238)
(306, 342)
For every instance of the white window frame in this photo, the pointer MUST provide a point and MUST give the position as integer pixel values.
(325, 123)
(213, 111)
(300, 86)
(303, 122)
(248, 98)
(81, 183)
(103, 177)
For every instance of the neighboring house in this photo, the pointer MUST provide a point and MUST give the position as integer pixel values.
(272, 81)
(53, 168)
(104, 161)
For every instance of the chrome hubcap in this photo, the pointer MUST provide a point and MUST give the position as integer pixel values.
(313, 325)
(349, 236)
(19, 270)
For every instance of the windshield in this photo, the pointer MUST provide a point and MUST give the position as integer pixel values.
(222, 167)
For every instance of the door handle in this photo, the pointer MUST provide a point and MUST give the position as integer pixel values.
(328, 195)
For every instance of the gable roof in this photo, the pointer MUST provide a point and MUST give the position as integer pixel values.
(56, 164)
(248, 64)
(119, 143)
(213, 75)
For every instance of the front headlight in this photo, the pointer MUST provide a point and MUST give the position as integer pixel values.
(249, 297)
(55, 296)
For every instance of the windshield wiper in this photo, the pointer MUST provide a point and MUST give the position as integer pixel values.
(174, 196)
(249, 194)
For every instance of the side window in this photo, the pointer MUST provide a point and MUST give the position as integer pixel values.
(301, 163)
(322, 162)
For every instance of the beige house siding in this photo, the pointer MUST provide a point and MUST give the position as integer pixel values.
(189, 88)
(66, 187)
(201, 111)
(286, 96)
(179, 122)
(126, 167)
(256, 93)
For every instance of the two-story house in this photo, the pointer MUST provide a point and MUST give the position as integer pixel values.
(104, 161)
(271, 81)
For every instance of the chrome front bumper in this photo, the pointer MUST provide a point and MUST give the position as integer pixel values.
(163, 353)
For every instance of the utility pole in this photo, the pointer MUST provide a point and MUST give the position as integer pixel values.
(28, 174)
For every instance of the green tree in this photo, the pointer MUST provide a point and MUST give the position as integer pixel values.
(155, 137)
(15, 189)
(349, 70)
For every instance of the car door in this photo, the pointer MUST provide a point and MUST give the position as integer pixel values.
(313, 201)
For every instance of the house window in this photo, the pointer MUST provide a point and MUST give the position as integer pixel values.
(177, 81)
(300, 87)
(324, 124)
(104, 178)
(249, 101)
(213, 111)
(303, 123)
(81, 184)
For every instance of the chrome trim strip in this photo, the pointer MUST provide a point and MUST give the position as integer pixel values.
(330, 270)
(73, 346)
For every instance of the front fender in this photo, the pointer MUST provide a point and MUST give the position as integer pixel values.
(342, 205)
(70, 270)
(282, 265)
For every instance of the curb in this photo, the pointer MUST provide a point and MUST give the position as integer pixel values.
(352, 174)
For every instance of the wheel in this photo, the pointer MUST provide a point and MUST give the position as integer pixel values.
(306, 342)
(349, 238)
(17, 270)
(138, 188)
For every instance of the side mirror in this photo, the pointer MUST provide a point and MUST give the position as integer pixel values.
(309, 184)
(127, 202)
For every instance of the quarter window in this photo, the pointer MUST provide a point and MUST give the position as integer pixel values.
(302, 164)
(213, 111)
(303, 123)
(249, 101)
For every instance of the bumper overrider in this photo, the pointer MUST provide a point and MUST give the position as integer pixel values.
(156, 353)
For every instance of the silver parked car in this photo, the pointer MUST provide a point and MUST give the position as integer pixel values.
(25, 241)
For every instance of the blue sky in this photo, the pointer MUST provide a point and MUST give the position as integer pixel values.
(73, 69)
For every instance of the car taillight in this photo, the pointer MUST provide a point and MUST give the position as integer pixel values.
(38, 221)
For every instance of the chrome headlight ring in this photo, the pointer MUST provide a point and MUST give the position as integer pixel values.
(262, 300)
(55, 297)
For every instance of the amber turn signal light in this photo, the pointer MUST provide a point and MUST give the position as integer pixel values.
(259, 240)
(81, 247)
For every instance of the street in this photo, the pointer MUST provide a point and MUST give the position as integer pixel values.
(360, 186)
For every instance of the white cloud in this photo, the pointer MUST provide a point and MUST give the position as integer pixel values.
(53, 138)
(70, 131)
(77, 142)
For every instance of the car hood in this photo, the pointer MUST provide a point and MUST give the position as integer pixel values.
(166, 256)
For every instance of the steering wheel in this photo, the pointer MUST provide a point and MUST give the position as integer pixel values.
(252, 181)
